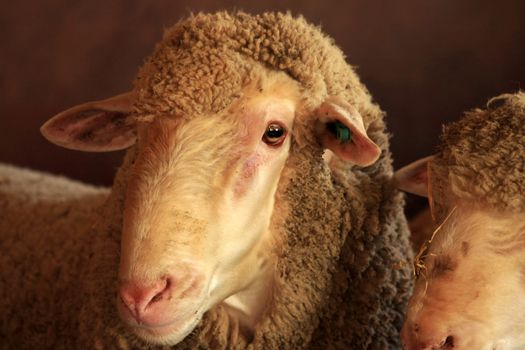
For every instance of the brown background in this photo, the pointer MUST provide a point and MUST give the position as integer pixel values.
(424, 62)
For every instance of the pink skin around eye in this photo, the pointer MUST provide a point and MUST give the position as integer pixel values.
(256, 153)
(248, 171)
(262, 155)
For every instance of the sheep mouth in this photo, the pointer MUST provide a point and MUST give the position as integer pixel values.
(166, 330)
(168, 334)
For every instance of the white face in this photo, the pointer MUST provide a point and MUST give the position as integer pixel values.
(471, 293)
(197, 215)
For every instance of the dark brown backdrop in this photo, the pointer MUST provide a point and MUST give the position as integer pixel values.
(424, 62)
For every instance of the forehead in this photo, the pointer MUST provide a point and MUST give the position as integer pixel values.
(188, 82)
(269, 87)
(487, 145)
(270, 95)
(263, 85)
(190, 86)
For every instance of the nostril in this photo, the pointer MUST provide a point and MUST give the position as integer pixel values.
(449, 342)
(162, 289)
(137, 296)
(416, 327)
(156, 298)
(427, 335)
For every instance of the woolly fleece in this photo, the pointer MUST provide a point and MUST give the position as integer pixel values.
(46, 239)
(341, 281)
(480, 158)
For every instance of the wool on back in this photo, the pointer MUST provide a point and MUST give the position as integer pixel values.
(45, 238)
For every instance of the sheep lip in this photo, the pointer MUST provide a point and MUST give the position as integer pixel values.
(181, 317)
(169, 333)
(152, 326)
(158, 328)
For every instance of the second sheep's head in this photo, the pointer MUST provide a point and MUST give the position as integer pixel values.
(213, 119)
(470, 285)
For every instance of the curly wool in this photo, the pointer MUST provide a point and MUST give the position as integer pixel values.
(203, 62)
(46, 239)
(481, 156)
(340, 281)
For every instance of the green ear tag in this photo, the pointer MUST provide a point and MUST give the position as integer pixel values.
(343, 134)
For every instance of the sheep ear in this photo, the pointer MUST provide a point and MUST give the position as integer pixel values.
(413, 178)
(97, 126)
(340, 129)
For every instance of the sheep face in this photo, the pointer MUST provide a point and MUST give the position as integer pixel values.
(468, 294)
(202, 203)
(197, 213)
(470, 285)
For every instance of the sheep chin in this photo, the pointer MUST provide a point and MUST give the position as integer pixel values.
(170, 334)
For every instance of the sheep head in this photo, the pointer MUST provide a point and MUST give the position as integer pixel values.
(203, 203)
(471, 271)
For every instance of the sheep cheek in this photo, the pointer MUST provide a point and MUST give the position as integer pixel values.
(248, 171)
(469, 290)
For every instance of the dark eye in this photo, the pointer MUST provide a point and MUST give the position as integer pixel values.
(274, 134)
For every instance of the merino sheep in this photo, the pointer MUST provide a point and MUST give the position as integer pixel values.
(236, 229)
(469, 294)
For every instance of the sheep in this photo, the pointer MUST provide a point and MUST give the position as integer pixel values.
(469, 293)
(254, 207)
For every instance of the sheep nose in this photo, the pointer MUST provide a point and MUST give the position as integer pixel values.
(415, 337)
(141, 297)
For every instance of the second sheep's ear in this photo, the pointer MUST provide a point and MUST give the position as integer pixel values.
(340, 129)
(98, 126)
(413, 178)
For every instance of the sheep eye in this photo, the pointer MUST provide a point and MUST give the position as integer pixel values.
(274, 134)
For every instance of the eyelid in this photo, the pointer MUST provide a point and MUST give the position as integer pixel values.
(279, 139)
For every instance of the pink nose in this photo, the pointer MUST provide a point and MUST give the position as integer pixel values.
(143, 299)
(414, 336)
